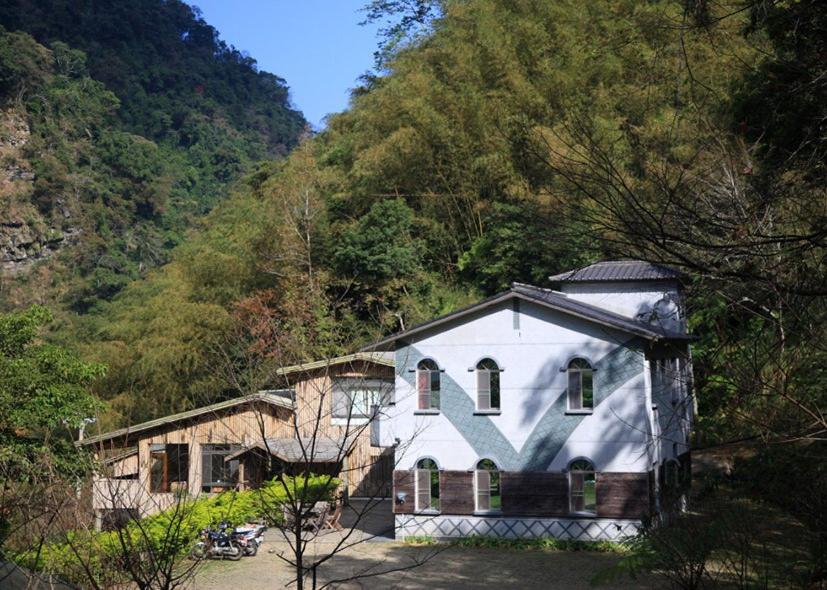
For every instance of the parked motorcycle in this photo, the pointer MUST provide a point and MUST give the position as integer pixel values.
(250, 536)
(217, 544)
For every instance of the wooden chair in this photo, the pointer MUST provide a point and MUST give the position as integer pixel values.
(333, 520)
(318, 523)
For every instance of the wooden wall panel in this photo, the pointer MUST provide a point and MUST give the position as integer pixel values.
(231, 426)
(456, 492)
(367, 471)
(404, 482)
(622, 495)
(535, 493)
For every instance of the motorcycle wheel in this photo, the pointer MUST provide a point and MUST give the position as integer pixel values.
(236, 554)
(199, 551)
(251, 549)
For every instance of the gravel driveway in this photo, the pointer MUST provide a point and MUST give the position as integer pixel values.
(456, 567)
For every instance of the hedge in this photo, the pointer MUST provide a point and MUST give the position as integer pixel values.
(102, 552)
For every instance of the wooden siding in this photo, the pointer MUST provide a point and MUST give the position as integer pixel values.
(456, 492)
(367, 471)
(121, 468)
(233, 426)
(535, 493)
(404, 482)
(622, 495)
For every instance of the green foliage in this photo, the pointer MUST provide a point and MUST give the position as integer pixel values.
(44, 397)
(541, 544)
(380, 246)
(135, 132)
(170, 534)
(521, 243)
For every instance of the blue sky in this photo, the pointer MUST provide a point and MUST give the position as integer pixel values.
(317, 46)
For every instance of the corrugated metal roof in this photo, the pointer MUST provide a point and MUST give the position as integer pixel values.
(278, 397)
(553, 300)
(619, 270)
(380, 358)
(295, 450)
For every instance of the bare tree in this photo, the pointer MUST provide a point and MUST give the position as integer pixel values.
(329, 449)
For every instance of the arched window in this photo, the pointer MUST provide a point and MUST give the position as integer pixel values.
(582, 488)
(487, 484)
(488, 385)
(427, 384)
(581, 388)
(427, 485)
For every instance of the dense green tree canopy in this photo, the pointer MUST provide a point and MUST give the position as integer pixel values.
(137, 118)
(44, 399)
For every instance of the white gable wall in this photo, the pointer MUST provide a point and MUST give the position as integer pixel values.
(532, 354)
(625, 298)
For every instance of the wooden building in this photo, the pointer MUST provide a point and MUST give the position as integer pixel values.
(321, 421)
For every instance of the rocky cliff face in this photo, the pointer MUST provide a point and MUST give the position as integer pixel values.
(25, 235)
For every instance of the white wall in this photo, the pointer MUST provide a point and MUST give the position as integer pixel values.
(625, 298)
(614, 436)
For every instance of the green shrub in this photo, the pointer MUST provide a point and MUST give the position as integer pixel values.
(170, 533)
(544, 543)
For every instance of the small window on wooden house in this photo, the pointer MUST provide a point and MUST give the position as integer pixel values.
(355, 399)
(427, 485)
(487, 487)
(168, 468)
(218, 475)
(580, 385)
(582, 487)
(488, 385)
(427, 385)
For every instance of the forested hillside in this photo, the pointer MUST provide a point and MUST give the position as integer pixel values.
(433, 189)
(500, 140)
(122, 123)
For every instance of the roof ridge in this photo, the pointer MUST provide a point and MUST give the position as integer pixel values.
(619, 270)
(268, 395)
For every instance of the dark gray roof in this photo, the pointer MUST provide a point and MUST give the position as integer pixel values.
(551, 299)
(619, 270)
(294, 450)
(276, 397)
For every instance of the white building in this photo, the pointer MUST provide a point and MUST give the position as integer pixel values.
(539, 412)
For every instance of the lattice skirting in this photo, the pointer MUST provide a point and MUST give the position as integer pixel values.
(452, 527)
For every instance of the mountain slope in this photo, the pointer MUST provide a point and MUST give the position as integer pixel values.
(126, 122)
(429, 191)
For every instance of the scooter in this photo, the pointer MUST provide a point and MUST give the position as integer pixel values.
(217, 544)
(250, 536)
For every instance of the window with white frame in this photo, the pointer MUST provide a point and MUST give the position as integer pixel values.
(427, 385)
(582, 487)
(354, 398)
(580, 385)
(427, 485)
(488, 385)
(487, 487)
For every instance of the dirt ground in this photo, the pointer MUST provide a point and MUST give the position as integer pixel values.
(456, 567)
